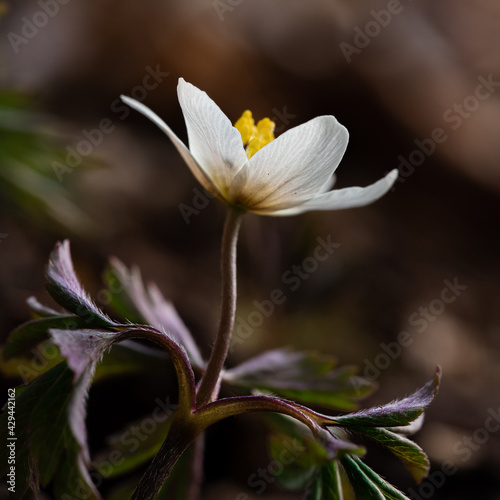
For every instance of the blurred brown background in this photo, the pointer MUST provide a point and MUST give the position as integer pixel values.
(418, 86)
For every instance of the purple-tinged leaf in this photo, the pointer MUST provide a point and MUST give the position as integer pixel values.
(82, 349)
(51, 410)
(397, 413)
(412, 456)
(146, 304)
(126, 290)
(66, 290)
(302, 376)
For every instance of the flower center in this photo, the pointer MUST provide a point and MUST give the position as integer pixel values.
(254, 137)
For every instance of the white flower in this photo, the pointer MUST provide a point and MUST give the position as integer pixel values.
(284, 176)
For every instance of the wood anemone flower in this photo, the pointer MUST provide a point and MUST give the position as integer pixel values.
(247, 168)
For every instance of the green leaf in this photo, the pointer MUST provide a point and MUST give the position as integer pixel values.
(412, 456)
(297, 458)
(45, 357)
(331, 483)
(141, 304)
(363, 478)
(363, 486)
(397, 413)
(47, 449)
(302, 376)
(328, 484)
(315, 490)
(126, 358)
(52, 409)
(137, 443)
(300, 453)
(65, 288)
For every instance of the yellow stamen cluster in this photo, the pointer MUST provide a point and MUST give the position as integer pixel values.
(254, 137)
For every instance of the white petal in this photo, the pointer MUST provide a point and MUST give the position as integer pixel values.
(213, 141)
(328, 184)
(345, 198)
(293, 167)
(193, 165)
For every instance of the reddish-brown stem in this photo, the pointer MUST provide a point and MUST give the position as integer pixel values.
(210, 379)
